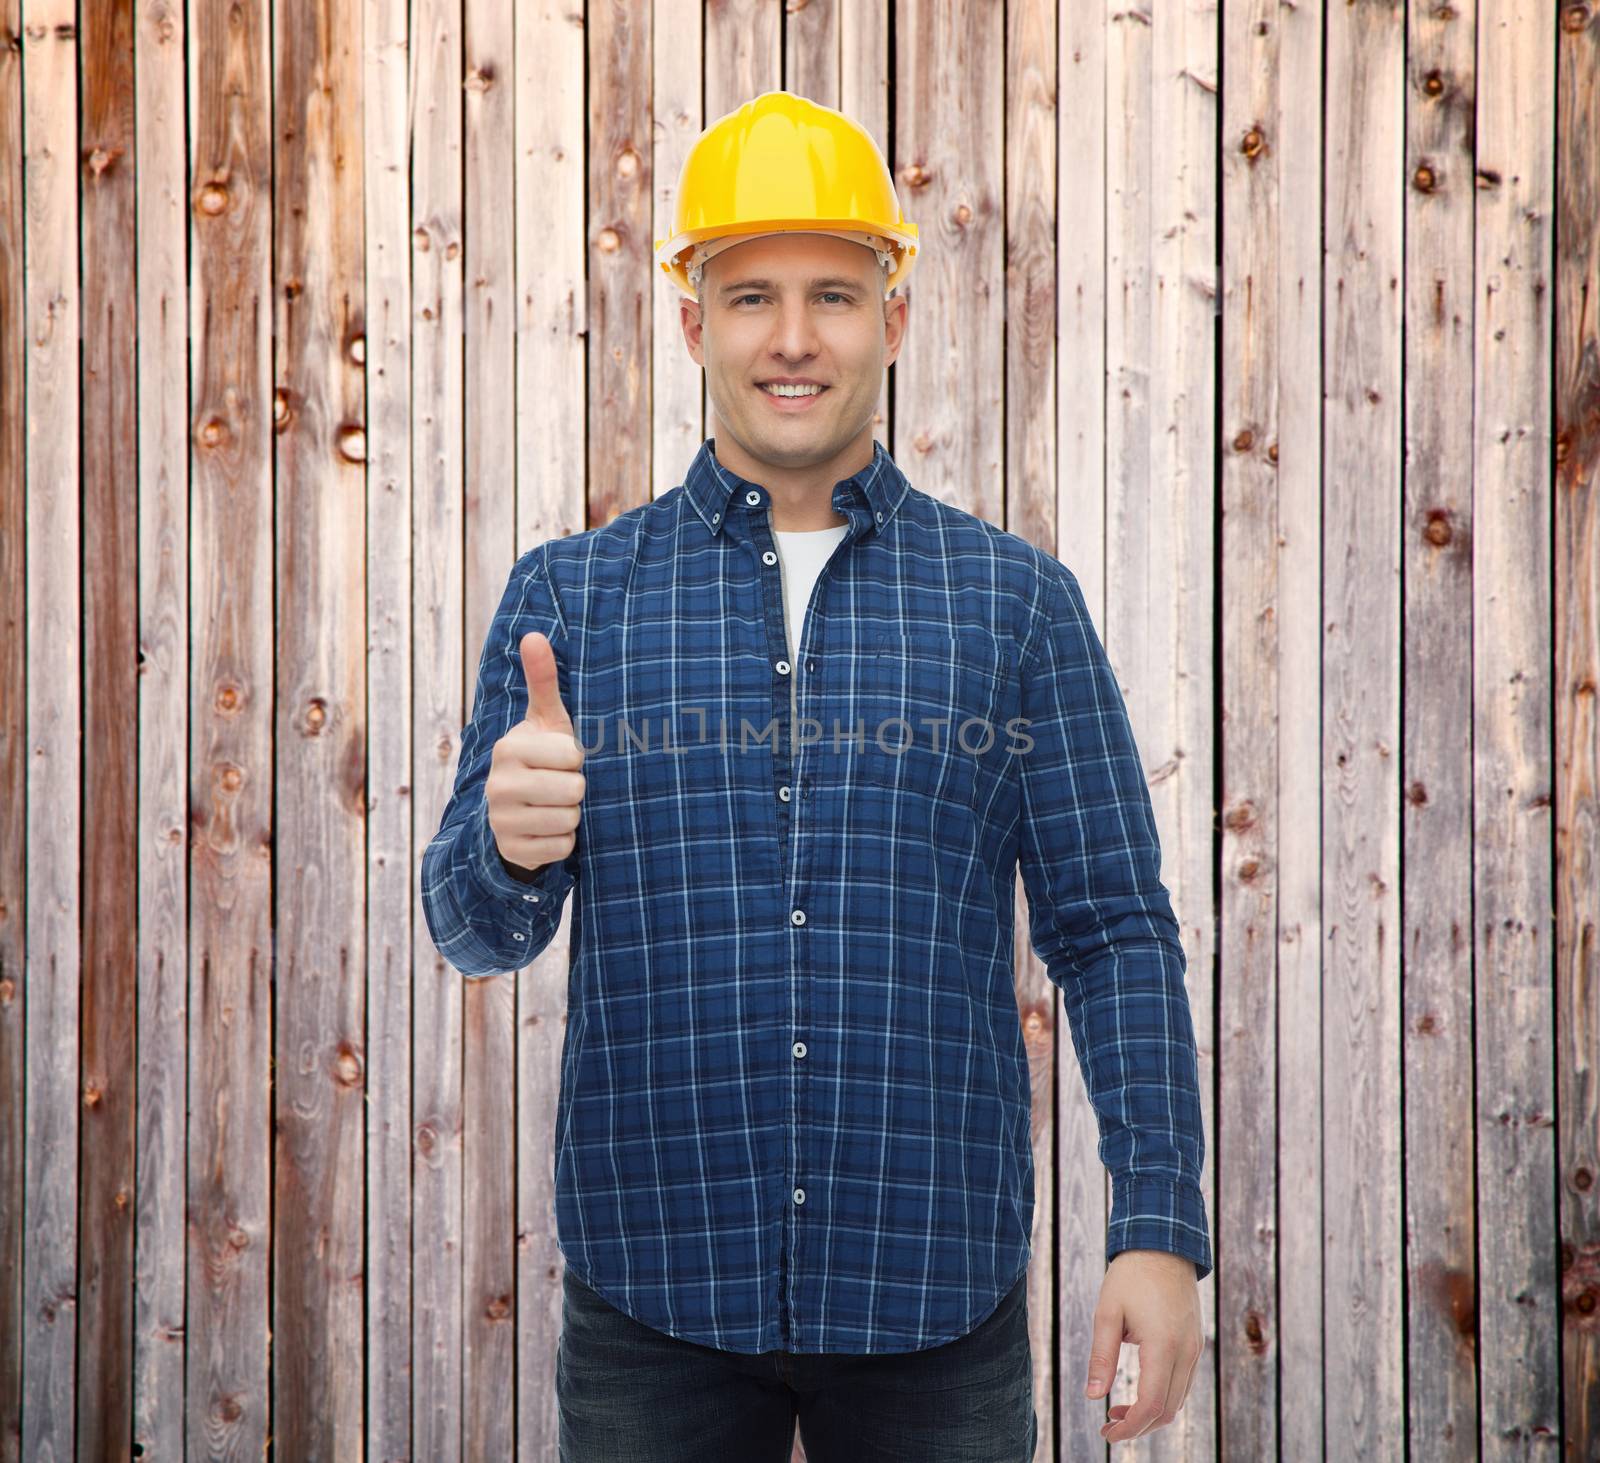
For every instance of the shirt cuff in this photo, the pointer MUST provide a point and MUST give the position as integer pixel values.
(1160, 1214)
(499, 882)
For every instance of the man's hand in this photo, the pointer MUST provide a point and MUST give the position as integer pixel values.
(534, 790)
(1151, 1298)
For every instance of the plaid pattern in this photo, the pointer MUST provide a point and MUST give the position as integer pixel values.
(795, 1108)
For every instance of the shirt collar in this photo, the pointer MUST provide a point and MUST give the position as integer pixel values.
(867, 498)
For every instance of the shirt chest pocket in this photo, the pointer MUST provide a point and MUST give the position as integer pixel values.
(930, 702)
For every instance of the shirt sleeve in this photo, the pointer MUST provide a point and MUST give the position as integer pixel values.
(1101, 921)
(484, 918)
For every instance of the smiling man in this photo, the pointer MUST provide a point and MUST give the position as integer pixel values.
(786, 734)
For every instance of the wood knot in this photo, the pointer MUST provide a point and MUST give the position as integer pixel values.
(347, 1066)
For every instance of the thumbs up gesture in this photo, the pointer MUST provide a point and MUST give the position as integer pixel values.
(534, 788)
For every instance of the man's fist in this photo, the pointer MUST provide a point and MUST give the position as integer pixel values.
(535, 789)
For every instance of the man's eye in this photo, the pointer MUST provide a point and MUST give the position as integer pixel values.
(826, 295)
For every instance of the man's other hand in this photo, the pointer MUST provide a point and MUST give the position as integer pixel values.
(1149, 1298)
(535, 790)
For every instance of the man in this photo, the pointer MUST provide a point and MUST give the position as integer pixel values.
(786, 734)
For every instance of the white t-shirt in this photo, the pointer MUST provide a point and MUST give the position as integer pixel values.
(800, 559)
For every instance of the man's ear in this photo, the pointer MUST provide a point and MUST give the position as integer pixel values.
(895, 312)
(689, 317)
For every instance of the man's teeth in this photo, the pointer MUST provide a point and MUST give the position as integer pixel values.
(791, 390)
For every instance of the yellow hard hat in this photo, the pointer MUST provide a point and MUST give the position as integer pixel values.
(784, 164)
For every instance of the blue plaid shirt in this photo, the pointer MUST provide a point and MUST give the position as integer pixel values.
(795, 1106)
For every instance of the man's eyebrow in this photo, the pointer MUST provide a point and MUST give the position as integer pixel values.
(829, 282)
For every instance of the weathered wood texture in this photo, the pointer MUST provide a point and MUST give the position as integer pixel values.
(1276, 323)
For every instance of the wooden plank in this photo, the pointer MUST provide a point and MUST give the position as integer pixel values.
(1436, 780)
(1577, 728)
(1245, 1221)
(488, 1069)
(50, 1196)
(159, 1346)
(949, 394)
(110, 766)
(622, 267)
(862, 89)
(1160, 530)
(393, 853)
(1027, 290)
(318, 1298)
(1071, 522)
(677, 384)
(1513, 937)
(441, 706)
(13, 725)
(1363, 1244)
(226, 1395)
(1285, 1320)
(552, 448)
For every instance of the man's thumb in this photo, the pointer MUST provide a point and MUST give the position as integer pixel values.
(544, 693)
(1105, 1347)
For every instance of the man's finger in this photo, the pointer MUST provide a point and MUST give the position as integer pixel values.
(1105, 1346)
(1156, 1366)
(545, 708)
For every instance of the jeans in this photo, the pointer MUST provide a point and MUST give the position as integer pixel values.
(628, 1393)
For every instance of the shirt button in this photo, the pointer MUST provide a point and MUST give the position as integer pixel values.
(799, 1048)
(782, 667)
(752, 497)
(531, 898)
(716, 517)
(783, 794)
(517, 936)
(769, 557)
(880, 518)
(797, 916)
(799, 1196)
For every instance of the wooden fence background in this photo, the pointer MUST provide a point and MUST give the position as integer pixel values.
(1276, 321)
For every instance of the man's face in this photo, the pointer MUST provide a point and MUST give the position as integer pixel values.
(794, 305)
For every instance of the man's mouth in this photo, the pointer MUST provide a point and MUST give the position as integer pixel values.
(792, 400)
